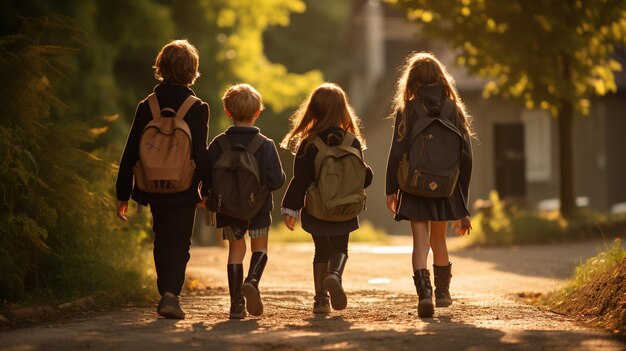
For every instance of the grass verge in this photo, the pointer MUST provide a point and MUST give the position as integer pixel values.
(597, 291)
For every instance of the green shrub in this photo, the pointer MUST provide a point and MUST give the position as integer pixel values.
(504, 223)
(58, 234)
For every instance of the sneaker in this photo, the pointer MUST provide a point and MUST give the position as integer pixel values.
(169, 307)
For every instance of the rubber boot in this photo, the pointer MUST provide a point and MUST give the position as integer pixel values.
(321, 302)
(250, 288)
(237, 302)
(443, 274)
(332, 282)
(425, 307)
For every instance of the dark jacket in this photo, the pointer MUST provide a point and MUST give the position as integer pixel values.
(412, 207)
(304, 175)
(270, 169)
(197, 119)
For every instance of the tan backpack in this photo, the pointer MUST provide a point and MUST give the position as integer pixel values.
(165, 165)
(337, 193)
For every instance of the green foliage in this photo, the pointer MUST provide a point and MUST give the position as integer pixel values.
(542, 52)
(501, 224)
(55, 242)
(319, 32)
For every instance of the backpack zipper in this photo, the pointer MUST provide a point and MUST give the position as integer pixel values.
(219, 202)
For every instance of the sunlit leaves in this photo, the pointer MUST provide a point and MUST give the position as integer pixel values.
(541, 52)
(242, 51)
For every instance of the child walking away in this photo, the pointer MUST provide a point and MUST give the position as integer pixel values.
(329, 177)
(245, 169)
(165, 158)
(429, 169)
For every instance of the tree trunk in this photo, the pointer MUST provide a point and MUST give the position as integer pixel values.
(566, 159)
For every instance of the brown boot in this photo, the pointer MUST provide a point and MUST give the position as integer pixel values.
(332, 283)
(237, 302)
(321, 302)
(425, 306)
(250, 288)
(443, 274)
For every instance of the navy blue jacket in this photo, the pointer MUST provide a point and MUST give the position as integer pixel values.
(270, 169)
(197, 118)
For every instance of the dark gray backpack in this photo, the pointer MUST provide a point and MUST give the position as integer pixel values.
(430, 167)
(237, 190)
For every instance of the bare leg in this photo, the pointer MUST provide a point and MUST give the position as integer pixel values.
(236, 251)
(438, 242)
(421, 244)
(259, 244)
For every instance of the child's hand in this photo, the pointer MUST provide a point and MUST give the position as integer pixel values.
(122, 207)
(202, 203)
(462, 226)
(290, 221)
(392, 203)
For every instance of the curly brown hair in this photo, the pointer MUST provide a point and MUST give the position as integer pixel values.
(177, 63)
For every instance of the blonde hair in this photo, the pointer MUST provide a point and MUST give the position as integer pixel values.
(420, 69)
(327, 106)
(177, 63)
(242, 101)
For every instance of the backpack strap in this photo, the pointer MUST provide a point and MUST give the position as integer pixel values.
(447, 108)
(185, 106)
(348, 139)
(256, 143)
(223, 142)
(155, 109)
(320, 145)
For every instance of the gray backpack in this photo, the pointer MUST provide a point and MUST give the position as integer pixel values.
(237, 190)
(430, 167)
(337, 193)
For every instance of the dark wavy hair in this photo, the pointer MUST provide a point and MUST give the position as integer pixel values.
(177, 63)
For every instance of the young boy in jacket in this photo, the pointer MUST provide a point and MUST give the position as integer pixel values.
(176, 67)
(243, 104)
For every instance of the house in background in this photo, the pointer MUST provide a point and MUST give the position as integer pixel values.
(516, 150)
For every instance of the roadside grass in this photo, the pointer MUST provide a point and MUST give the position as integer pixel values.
(367, 233)
(502, 224)
(597, 291)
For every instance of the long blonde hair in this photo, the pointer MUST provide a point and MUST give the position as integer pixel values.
(326, 107)
(420, 69)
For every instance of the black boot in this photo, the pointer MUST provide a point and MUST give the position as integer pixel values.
(250, 288)
(237, 302)
(443, 274)
(332, 282)
(425, 306)
(321, 302)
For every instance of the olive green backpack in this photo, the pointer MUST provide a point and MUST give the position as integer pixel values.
(337, 193)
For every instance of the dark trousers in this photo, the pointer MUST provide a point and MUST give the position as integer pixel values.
(172, 237)
(326, 245)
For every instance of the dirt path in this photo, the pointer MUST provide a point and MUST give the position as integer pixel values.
(380, 315)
